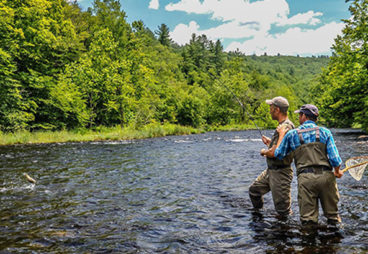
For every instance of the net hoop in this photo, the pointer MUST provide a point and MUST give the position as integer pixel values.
(357, 171)
(364, 158)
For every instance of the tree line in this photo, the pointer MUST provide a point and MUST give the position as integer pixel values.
(64, 68)
(342, 88)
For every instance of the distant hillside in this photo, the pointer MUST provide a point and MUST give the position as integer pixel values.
(299, 73)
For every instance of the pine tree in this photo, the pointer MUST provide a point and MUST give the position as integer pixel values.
(163, 34)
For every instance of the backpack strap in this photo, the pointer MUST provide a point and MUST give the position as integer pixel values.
(307, 130)
(317, 135)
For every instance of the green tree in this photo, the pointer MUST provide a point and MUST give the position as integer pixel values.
(218, 56)
(109, 15)
(231, 86)
(13, 111)
(104, 81)
(201, 60)
(191, 108)
(344, 84)
(69, 105)
(37, 41)
(163, 34)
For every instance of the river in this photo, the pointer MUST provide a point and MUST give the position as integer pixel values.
(178, 194)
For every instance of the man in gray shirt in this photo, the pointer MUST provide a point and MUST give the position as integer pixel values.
(279, 174)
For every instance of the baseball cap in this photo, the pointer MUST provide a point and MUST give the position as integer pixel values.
(308, 109)
(278, 101)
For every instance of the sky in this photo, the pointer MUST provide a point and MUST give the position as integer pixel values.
(286, 27)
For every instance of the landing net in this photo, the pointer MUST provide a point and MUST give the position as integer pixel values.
(357, 166)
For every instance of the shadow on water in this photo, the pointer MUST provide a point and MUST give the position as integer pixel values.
(185, 194)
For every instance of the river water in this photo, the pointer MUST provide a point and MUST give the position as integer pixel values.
(179, 194)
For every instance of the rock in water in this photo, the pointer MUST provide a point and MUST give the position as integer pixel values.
(30, 179)
(363, 138)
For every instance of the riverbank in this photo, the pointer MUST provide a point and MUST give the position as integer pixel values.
(96, 134)
(108, 133)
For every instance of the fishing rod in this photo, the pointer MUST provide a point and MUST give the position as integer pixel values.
(242, 105)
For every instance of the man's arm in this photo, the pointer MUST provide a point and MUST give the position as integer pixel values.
(333, 156)
(270, 153)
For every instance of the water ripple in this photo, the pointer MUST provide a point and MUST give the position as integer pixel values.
(179, 194)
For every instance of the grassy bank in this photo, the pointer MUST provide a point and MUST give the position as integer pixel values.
(97, 134)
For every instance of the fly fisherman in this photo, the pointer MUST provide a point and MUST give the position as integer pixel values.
(279, 174)
(315, 155)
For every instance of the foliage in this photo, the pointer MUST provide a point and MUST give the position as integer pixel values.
(163, 34)
(36, 43)
(64, 68)
(343, 87)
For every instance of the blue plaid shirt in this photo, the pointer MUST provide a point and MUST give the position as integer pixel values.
(291, 142)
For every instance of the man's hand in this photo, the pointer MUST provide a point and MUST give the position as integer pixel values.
(282, 129)
(263, 152)
(338, 173)
(270, 153)
(266, 140)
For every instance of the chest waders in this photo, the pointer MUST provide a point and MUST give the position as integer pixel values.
(311, 157)
(276, 178)
(274, 163)
(316, 182)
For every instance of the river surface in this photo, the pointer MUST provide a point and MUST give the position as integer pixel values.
(179, 194)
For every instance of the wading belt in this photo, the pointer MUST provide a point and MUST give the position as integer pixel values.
(316, 170)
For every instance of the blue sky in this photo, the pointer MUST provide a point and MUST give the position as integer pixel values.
(288, 27)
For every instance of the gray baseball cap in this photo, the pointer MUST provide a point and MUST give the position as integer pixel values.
(278, 101)
(308, 109)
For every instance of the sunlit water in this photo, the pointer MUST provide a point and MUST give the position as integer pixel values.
(180, 194)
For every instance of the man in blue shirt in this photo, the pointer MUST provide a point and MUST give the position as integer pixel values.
(315, 155)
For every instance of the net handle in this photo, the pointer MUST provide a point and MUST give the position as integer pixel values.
(356, 165)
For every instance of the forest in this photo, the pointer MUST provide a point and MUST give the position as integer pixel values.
(63, 68)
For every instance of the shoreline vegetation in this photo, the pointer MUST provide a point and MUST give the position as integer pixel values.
(116, 133)
(63, 68)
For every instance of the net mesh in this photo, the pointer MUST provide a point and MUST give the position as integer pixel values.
(357, 171)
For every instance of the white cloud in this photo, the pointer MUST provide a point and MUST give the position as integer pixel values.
(189, 6)
(154, 4)
(265, 12)
(234, 10)
(245, 19)
(294, 41)
(182, 33)
(232, 30)
(308, 18)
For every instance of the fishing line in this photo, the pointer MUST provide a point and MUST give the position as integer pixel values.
(242, 105)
